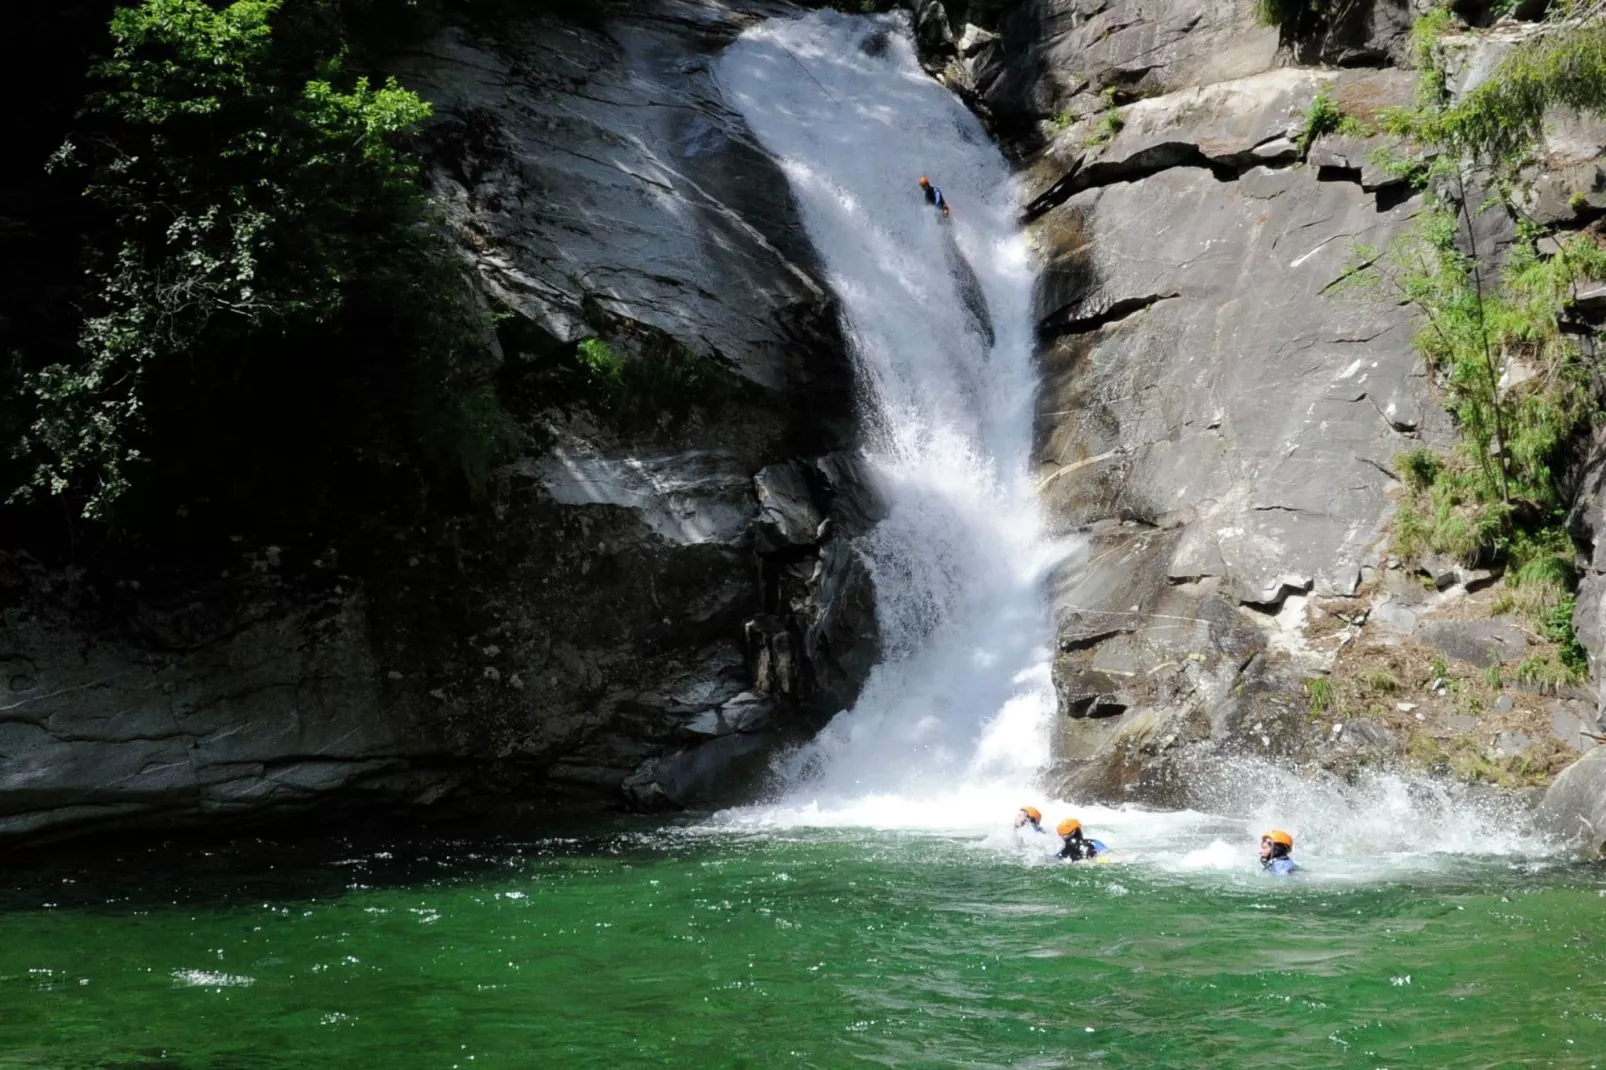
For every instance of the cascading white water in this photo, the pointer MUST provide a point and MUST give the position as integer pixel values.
(963, 696)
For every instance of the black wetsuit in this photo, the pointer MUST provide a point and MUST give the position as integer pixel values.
(935, 198)
(1077, 848)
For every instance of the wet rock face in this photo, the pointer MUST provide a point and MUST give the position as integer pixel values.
(190, 715)
(595, 171)
(637, 617)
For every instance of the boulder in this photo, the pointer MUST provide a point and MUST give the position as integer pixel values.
(699, 774)
(1574, 808)
(1477, 642)
(788, 516)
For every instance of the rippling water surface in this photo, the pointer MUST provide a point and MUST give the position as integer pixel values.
(802, 947)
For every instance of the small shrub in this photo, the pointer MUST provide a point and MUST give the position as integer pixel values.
(1109, 125)
(1321, 118)
(603, 371)
(1548, 672)
(1378, 681)
(1320, 693)
(1469, 762)
(1350, 126)
(1420, 468)
(665, 378)
(1426, 750)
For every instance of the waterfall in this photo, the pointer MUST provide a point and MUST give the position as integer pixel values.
(951, 730)
(938, 315)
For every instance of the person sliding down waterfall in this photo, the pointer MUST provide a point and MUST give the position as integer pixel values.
(1030, 818)
(971, 296)
(1076, 846)
(1275, 848)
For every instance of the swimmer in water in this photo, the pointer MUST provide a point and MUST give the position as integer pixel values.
(1077, 847)
(1031, 819)
(1275, 848)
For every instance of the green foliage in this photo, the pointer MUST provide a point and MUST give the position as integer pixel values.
(1478, 334)
(1552, 671)
(1464, 757)
(1400, 166)
(604, 373)
(1502, 119)
(256, 219)
(1289, 14)
(1378, 681)
(665, 380)
(1060, 122)
(1518, 386)
(1426, 47)
(1420, 468)
(1569, 655)
(1320, 693)
(1321, 118)
(1109, 125)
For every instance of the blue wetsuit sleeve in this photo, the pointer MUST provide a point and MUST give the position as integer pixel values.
(1098, 847)
(1283, 867)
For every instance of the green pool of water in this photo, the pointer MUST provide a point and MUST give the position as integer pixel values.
(805, 948)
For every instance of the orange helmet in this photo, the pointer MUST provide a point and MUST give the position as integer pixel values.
(924, 181)
(1068, 826)
(1279, 836)
(1032, 812)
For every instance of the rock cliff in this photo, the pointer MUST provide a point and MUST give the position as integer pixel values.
(641, 613)
(1221, 411)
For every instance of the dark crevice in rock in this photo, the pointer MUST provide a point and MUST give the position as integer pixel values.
(1330, 173)
(1151, 161)
(1389, 195)
(1393, 195)
(1381, 468)
(1095, 707)
(1274, 605)
(1095, 313)
(1072, 643)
